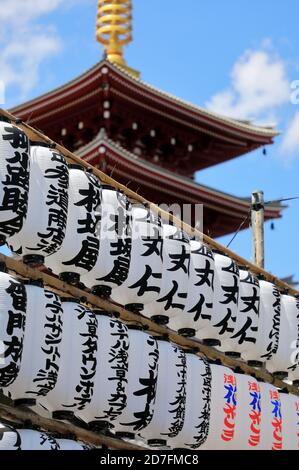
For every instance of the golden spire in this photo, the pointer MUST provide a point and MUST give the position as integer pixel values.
(114, 29)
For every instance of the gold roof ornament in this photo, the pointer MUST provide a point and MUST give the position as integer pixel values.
(114, 30)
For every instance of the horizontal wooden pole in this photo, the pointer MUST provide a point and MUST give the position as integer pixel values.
(36, 135)
(93, 301)
(17, 416)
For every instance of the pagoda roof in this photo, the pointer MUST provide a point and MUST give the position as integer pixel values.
(222, 211)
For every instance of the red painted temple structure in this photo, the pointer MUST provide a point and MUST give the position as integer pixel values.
(145, 137)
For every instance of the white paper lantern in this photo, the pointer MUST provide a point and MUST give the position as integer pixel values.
(198, 311)
(290, 429)
(246, 326)
(14, 179)
(198, 397)
(12, 324)
(272, 421)
(78, 362)
(41, 347)
(169, 410)
(80, 248)
(44, 228)
(268, 326)
(112, 266)
(293, 372)
(9, 438)
(222, 427)
(175, 275)
(109, 398)
(248, 414)
(142, 382)
(36, 440)
(285, 357)
(143, 283)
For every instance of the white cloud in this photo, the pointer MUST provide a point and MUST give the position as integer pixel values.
(259, 85)
(290, 142)
(23, 11)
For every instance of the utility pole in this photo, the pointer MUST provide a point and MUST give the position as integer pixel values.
(257, 223)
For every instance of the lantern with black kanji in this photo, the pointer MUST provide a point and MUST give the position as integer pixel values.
(175, 275)
(222, 426)
(36, 440)
(290, 428)
(9, 438)
(285, 357)
(112, 265)
(169, 410)
(109, 398)
(268, 326)
(272, 419)
(197, 314)
(198, 401)
(78, 361)
(13, 302)
(80, 248)
(143, 358)
(14, 178)
(44, 228)
(143, 283)
(41, 347)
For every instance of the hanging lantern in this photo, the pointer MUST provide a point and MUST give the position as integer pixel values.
(142, 382)
(246, 325)
(143, 283)
(198, 311)
(109, 397)
(268, 326)
(78, 361)
(198, 397)
(41, 347)
(9, 438)
(36, 440)
(285, 357)
(175, 276)
(248, 414)
(79, 250)
(290, 413)
(14, 178)
(12, 324)
(43, 230)
(293, 371)
(169, 410)
(112, 266)
(222, 425)
(272, 422)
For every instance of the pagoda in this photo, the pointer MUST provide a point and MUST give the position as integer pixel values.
(145, 137)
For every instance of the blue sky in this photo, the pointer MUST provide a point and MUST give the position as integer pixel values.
(236, 57)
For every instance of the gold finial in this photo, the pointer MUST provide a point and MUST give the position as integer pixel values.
(114, 29)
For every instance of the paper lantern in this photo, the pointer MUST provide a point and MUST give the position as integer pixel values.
(175, 276)
(293, 372)
(248, 414)
(142, 382)
(268, 326)
(222, 426)
(9, 438)
(112, 266)
(109, 397)
(41, 347)
(80, 248)
(246, 326)
(12, 324)
(43, 230)
(290, 429)
(36, 440)
(272, 422)
(143, 283)
(197, 413)
(169, 410)
(78, 362)
(285, 357)
(198, 311)
(14, 179)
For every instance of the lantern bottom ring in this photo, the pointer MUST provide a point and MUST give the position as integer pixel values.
(233, 354)
(157, 442)
(187, 332)
(125, 435)
(70, 278)
(2, 240)
(101, 291)
(100, 426)
(135, 308)
(63, 415)
(160, 319)
(211, 342)
(24, 402)
(33, 260)
(280, 375)
(257, 364)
